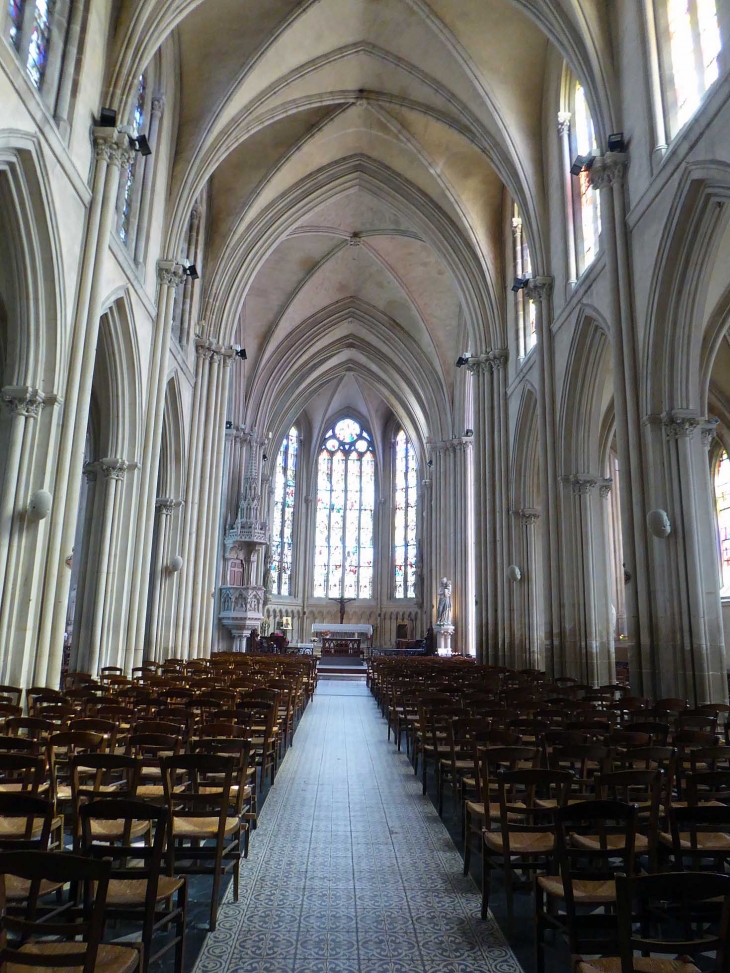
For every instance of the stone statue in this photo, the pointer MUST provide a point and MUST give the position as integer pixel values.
(443, 611)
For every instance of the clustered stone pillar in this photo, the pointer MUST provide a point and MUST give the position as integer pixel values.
(112, 156)
(490, 479)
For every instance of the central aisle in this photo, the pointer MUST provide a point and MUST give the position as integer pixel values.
(351, 870)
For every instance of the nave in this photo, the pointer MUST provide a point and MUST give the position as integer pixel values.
(350, 869)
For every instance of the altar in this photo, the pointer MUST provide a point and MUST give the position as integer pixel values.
(344, 639)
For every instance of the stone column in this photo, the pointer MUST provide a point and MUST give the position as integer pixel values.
(486, 633)
(113, 471)
(112, 155)
(528, 520)
(695, 546)
(164, 508)
(203, 353)
(193, 251)
(564, 134)
(463, 533)
(169, 275)
(215, 523)
(501, 464)
(607, 176)
(539, 290)
(198, 565)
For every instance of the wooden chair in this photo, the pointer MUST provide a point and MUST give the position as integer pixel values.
(699, 833)
(205, 837)
(149, 748)
(138, 891)
(578, 904)
(662, 917)
(526, 839)
(19, 947)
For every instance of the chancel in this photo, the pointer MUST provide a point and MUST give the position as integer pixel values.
(355, 353)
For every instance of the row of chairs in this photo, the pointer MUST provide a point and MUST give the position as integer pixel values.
(108, 804)
(565, 798)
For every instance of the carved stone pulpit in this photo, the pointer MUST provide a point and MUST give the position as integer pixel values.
(242, 599)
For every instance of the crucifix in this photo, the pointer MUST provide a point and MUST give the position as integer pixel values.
(342, 602)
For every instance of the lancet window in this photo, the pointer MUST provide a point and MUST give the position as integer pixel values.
(40, 40)
(405, 483)
(282, 530)
(16, 11)
(587, 201)
(129, 192)
(689, 44)
(722, 501)
(525, 309)
(343, 552)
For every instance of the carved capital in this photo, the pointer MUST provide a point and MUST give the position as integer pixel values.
(539, 288)
(583, 485)
(480, 365)
(22, 400)
(90, 470)
(165, 505)
(112, 147)
(604, 487)
(529, 516)
(158, 104)
(516, 226)
(564, 123)
(170, 273)
(228, 354)
(607, 170)
(709, 431)
(203, 348)
(114, 469)
(679, 424)
(499, 358)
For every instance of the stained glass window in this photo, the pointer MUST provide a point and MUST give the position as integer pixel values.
(343, 543)
(526, 310)
(406, 506)
(694, 45)
(16, 9)
(39, 41)
(589, 201)
(722, 499)
(137, 122)
(282, 531)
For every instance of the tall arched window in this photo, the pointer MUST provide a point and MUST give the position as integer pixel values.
(282, 530)
(405, 484)
(689, 46)
(586, 201)
(16, 12)
(343, 551)
(40, 40)
(131, 184)
(722, 501)
(525, 309)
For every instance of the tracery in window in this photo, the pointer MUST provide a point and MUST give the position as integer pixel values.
(722, 501)
(282, 532)
(588, 199)
(343, 543)
(16, 9)
(137, 122)
(694, 43)
(40, 40)
(406, 509)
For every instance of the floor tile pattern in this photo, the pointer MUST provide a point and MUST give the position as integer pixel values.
(351, 869)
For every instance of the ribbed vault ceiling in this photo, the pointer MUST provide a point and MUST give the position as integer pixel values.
(358, 154)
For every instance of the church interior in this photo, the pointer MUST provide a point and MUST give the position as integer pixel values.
(365, 486)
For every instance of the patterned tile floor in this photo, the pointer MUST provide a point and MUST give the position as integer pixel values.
(351, 869)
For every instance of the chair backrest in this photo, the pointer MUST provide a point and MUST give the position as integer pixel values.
(59, 868)
(689, 824)
(707, 785)
(528, 798)
(11, 744)
(658, 731)
(20, 806)
(129, 861)
(207, 793)
(32, 727)
(654, 911)
(22, 770)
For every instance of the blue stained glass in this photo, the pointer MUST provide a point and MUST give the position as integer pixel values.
(282, 531)
(16, 9)
(39, 41)
(343, 536)
(138, 119)
(405, 482)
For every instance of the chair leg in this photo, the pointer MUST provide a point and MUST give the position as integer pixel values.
(182, 904)
(466, 821)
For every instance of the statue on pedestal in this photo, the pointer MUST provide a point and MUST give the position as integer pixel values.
(443, 611)
(443, 627)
